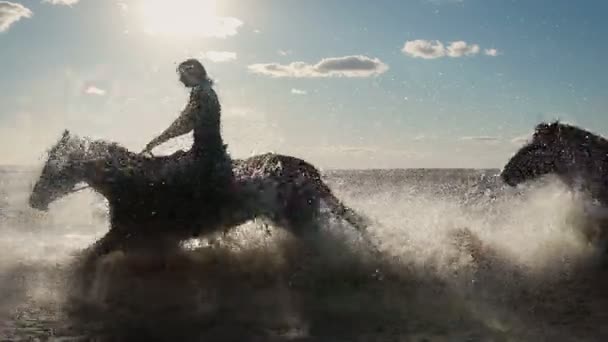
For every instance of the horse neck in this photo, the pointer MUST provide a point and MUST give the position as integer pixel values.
(84, 155)
(95, 149)
(585, 165)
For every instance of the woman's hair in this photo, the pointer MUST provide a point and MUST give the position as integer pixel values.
(194, 67)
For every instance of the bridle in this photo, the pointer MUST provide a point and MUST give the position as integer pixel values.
(84, 187)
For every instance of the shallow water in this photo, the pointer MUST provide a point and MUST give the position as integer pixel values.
(461, 260)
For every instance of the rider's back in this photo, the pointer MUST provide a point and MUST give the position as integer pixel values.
(206, 108)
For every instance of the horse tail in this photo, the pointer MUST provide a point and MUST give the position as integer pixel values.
(338, 208)
(311, 178)
(359, 221)
(309, 175)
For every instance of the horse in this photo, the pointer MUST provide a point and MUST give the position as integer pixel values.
(149, 207)
(576, 156)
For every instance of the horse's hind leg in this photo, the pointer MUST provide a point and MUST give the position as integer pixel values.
(303, 214)
(87, 267)
(100, 248)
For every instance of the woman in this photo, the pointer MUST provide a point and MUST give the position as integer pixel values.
(206, 168)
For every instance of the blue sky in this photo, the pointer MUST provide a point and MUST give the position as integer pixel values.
(344, 84)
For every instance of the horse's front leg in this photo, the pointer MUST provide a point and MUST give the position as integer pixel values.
(108, 243)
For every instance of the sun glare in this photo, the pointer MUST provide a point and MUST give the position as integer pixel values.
(186, 18)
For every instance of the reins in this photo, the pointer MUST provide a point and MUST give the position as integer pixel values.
(79, 189)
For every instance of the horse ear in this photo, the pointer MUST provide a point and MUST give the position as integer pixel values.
(65, 135)
(547, 131)
(542, 127)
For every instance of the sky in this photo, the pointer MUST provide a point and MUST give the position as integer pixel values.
(342, 84)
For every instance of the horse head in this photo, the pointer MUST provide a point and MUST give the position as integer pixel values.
(59, 174)
(543, 155)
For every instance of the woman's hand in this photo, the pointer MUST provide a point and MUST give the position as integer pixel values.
(147, 151)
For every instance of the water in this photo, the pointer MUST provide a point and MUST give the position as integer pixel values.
(462, 259)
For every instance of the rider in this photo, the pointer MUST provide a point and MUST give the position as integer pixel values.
(207, 162)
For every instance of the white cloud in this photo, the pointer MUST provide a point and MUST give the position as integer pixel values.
(10, 13)
(480, 138)
(347, 66)
(432, 49)
(225, 27)
(341, 149)
(123, 6)
(62, 2)
(491, 52)
(427, 49)
(219, 56)
(423, 137)
(419, 137)
(520, 140)
(298, 91)
(242, 112)
(93, 90)
(186, 18)
(442, 2)
(346, 156)
(216, 27)
(284, 52)
(461, 48)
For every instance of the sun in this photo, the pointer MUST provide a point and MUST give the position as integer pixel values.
(186, 18)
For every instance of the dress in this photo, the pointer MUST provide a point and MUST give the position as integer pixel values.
(207, 161)
(205, 171)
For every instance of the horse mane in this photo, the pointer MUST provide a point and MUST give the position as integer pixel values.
(83, 148)
(547, 127)
(570, 134)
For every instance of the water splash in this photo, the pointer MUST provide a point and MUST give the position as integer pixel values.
(501, 264)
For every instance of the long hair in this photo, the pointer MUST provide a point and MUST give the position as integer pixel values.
(194, 67)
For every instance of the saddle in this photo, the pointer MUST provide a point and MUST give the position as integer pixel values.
(190, 169)
(167, 168)
(145, 169)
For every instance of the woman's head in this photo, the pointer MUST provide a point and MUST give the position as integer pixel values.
(192, 72)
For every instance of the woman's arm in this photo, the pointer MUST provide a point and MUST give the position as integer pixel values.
(182, 125)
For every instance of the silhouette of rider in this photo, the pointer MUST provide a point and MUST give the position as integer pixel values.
(206, 165)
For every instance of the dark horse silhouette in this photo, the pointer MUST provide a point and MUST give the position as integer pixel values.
(147, 206)
(577, 157)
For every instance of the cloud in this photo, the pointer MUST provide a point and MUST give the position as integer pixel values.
(225, 27)
(480, 138)
(433, 49)
(284, 52)
(520, 140)
(219, 56)
(62, 2)
(345, 156)
(216, 27)
(424, 137)
(242, 112)
(354, 149)
(10, 13)
(427, 49)
(461, 48)
(298, 91)
(186, 18)
(442, 2)
(347, 66)
(93, 90)
(491, 52)
(419, 137)
(123, 6)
